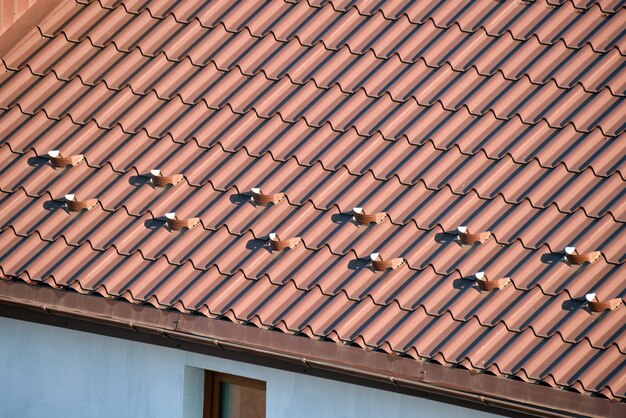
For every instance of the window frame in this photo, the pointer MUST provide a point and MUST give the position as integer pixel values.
(212, 390)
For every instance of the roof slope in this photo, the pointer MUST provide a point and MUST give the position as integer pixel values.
(507, 117)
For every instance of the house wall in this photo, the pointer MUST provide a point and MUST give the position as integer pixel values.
(56, 372)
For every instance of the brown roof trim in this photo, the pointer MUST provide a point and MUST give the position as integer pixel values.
(25, 23)
(429, 377)
(47, 319)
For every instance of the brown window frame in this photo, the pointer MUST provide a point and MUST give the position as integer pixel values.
(212, 389)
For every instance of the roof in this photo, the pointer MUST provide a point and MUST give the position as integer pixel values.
(504, 117)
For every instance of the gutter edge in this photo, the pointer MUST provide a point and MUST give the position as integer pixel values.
(493, 391)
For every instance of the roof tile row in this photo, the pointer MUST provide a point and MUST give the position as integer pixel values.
(440, 8)
(597, 196)
(332, 233)
(332, 106)
(590, 70)
(439, 11)
(286, 20)
(309, 145)
(426, 207)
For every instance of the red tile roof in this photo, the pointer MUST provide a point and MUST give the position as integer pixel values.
(505, 117)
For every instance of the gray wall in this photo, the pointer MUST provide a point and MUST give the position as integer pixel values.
(55, 372)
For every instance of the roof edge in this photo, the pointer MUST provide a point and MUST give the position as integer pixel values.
(25, 23)
(433, 378)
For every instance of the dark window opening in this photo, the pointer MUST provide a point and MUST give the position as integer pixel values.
(229, 396)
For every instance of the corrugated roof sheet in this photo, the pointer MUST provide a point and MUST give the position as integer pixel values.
(507, 117)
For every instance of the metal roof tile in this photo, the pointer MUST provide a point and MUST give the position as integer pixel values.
(501, 117)
(65, 13)
(609, 34)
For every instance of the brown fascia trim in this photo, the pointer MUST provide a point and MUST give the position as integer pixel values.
(25, 23)
(432, 378)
